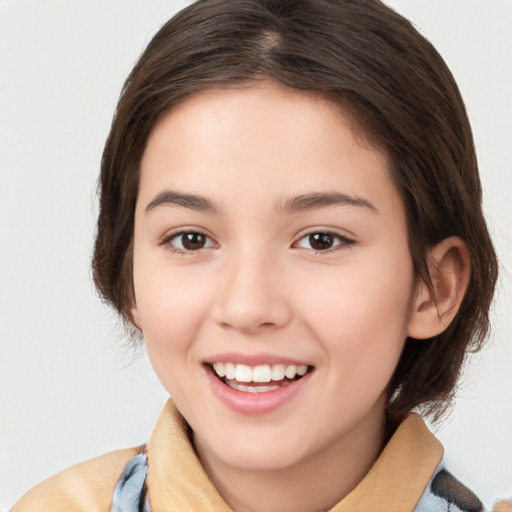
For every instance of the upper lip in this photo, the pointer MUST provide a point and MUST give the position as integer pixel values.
(254, 359)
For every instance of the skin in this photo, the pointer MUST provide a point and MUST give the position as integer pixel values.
(257, 287)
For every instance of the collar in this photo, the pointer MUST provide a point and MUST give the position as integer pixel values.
(399, 476)
(177, 481)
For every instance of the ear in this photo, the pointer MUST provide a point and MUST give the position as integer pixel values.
(449, 269)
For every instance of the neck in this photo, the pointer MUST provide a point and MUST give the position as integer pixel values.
(315, 484)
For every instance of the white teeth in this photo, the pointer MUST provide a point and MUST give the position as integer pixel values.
(219, 369)
(243, 373)
(230, 371)
(261, 374)
(290, 371)
(278, 371)
(252, 389)
(302, 370)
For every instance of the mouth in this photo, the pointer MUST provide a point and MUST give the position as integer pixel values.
(258, 379)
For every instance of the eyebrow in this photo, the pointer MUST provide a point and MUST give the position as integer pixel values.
(303, 202)
(191, 201)
(316, 200)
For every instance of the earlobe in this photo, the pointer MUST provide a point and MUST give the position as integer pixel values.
(434, 308)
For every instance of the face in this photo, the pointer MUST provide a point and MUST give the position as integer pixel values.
(272, 274)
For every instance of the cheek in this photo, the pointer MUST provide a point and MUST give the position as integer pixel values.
(170, 305)
(361, 315)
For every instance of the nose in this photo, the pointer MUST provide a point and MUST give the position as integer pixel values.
(252, 296)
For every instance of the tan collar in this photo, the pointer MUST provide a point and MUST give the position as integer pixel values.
(399, 476)
(177, 481)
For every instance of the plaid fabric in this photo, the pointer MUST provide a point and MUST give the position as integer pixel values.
(445, 493)
(130, 492)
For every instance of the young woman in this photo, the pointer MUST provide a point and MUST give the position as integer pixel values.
(290, 217)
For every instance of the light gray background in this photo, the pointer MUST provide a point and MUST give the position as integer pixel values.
(68, 387)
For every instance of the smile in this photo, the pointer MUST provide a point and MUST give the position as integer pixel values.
(256, 389)
(280, 375)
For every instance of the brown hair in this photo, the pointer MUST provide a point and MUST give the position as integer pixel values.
(373, 63)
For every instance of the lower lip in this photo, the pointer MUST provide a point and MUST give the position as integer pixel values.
(252, 404)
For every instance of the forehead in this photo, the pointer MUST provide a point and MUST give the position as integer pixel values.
(234, 140)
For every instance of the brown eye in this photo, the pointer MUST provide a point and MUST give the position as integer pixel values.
(193, 241)
(189, 241)
(320, 241)
(323, 241)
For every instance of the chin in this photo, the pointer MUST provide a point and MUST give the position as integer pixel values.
(253, 454)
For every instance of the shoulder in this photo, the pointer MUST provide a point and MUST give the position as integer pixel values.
(85, 487)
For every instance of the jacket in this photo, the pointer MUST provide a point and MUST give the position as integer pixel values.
(166, 476)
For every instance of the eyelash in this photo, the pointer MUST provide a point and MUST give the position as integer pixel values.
(167, 242)
(342, 240)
